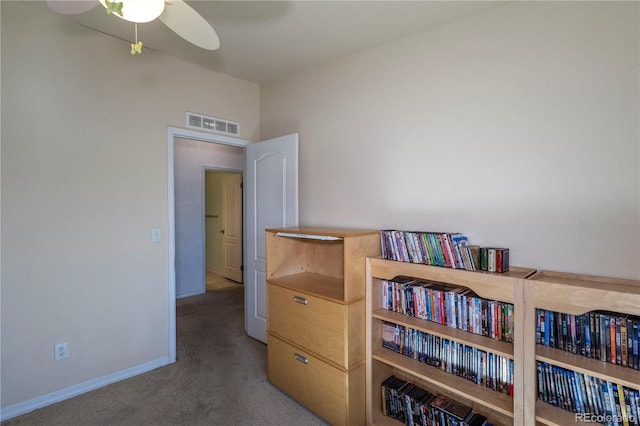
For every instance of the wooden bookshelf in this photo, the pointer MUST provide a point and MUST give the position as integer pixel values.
(576, 294)
(527, 289)
(505, 287)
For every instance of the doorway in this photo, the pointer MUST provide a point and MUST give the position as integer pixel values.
(192, 159)
(223, 229)
(271, 170)
(192, 140)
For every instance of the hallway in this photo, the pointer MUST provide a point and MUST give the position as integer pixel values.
(218, 282)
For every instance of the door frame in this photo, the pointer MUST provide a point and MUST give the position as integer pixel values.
(172, 133)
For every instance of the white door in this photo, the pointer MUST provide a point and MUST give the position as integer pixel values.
(232, 227)
(271, 200)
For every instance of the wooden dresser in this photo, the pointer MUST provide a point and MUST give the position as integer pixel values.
(316, 317)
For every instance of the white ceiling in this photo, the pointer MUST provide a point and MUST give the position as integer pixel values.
(263, 40)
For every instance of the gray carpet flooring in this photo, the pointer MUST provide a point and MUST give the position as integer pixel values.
(220, 378)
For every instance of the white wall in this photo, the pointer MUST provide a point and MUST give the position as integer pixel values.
(84, 179)
(517, 127)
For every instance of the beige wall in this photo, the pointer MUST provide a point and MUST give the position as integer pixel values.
(84, 179)
(517, 127)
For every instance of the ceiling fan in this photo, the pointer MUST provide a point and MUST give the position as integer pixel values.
(175, 14)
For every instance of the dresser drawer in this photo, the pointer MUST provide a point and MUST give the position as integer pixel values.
(315, 384)
(316, 324)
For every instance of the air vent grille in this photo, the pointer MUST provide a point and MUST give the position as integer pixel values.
(212, 124)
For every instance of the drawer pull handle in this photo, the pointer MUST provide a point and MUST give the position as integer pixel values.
(302, 359)
(300, 299)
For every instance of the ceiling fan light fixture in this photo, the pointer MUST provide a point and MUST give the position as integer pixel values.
(139, 11)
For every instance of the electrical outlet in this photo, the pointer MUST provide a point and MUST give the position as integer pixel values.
(61, 351)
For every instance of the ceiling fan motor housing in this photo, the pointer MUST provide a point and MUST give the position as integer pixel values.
(139, 11)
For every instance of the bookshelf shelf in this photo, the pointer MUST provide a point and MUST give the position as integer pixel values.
(547, 414)
(624, 376)
(455, 386)
(484, 343)
(505, 287)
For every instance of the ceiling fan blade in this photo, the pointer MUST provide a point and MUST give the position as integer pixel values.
(189, 25)
(71, 7)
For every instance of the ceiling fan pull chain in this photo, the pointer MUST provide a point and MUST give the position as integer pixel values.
(136, 48)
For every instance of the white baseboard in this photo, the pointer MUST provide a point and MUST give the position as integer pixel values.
(75, 390)
(197, 293)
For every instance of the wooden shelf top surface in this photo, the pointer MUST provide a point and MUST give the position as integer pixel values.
(517, 272)
(488, 285)
(323, 230)
(577, 294)
(618, 285)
